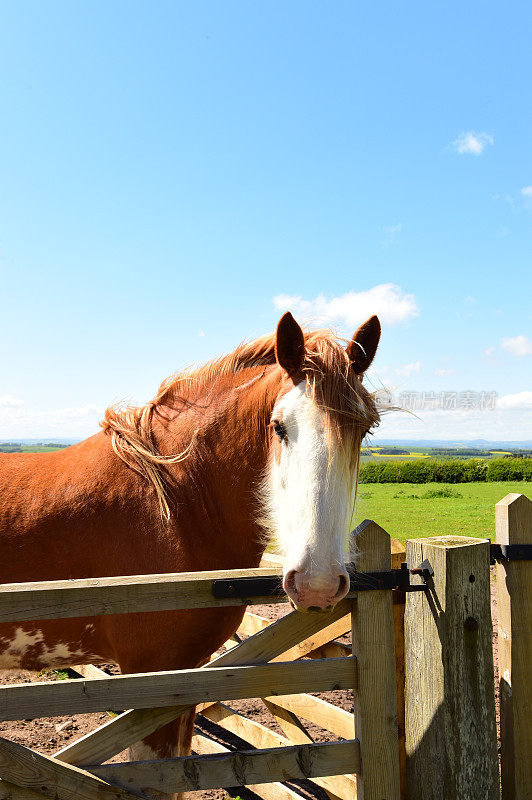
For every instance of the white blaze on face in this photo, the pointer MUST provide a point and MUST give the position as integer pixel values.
(310, 494)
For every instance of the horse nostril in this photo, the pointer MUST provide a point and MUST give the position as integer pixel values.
(343, 586)
(289, 584)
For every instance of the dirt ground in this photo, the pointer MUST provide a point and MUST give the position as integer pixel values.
(49, 735)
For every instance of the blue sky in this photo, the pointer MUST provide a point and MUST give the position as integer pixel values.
(171, 173)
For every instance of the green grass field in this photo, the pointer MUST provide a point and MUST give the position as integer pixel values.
(407, 511)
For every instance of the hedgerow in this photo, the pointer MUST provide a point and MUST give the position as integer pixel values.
(448, 471)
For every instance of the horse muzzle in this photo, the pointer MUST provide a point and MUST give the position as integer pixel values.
(307, 591)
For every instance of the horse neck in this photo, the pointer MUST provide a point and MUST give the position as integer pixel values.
(217, 484)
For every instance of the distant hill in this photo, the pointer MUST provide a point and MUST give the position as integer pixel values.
(481, 444)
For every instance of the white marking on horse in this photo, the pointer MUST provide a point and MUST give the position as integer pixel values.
(309, 494)
(31, 644)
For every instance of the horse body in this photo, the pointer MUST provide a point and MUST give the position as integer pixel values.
(84, 512)
(81, 512)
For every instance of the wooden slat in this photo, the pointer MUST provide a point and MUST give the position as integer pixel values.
(450, 705)
(131, 726)
(331, 650)
(271, 560)
(319, 711)
(255, 733)
(89, 597)
(319, 639)
(513, 519)
(398, 553)
(157, 689)
(202, 745)
(252, 624)
(290, 724)
(375, 702)
(89, 671)
(236, 769)
(8, 791)
(51, 778)
(258, 735)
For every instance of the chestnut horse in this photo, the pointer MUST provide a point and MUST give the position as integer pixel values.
(262, 443)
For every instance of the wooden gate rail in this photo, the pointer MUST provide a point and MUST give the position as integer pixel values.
(188, 686)
(235, 769)
(126, 594)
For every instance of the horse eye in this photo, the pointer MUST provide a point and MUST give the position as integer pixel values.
(279, 429)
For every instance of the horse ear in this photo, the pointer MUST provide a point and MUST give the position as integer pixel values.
(363, 346)
(289, 344)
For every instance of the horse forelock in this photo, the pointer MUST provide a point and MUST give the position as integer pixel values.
(348, 409)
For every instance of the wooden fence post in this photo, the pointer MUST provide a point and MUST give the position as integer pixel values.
(451, 736)
(375, 701)
(513, 519)
(399, 602)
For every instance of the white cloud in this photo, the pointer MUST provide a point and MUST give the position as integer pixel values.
(393, 231)
(73, 422)
(201, 334)
(472, 142)
(407, 369)
(394, 228)
(518, 400)
(387, 300)
(502, 423)
(526, 191)
(8, 401)
(445, 373)
(489, 351)
(518, 345)
(505, 198)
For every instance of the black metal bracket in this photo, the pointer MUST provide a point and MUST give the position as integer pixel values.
(242, 588)
(392, 579)
(510, 552)
(271, 586)
(426, 572)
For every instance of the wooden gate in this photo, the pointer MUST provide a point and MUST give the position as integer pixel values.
(265, 665)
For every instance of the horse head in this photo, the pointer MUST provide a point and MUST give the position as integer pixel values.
(319, 419)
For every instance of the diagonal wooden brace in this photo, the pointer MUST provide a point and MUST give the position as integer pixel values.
(131, 726)
(50, 778)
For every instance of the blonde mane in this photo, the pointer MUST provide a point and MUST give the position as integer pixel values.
(346, 405)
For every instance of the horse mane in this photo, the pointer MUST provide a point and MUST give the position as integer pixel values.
(332, 384)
